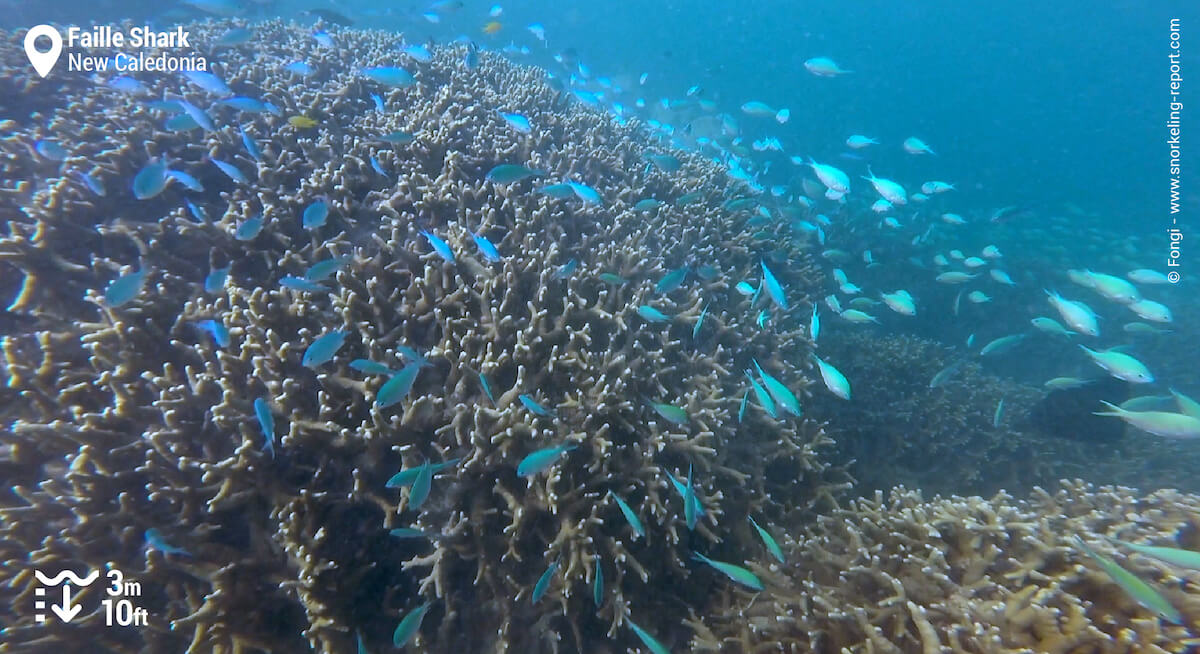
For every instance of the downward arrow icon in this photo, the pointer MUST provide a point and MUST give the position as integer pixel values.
(65, 611)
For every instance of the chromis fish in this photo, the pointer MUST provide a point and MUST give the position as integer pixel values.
(533, 407)
(418, 52)
(125, 288)
(92, 182)
(301, 284)
(441, 247)
(368, 367)
(50, 150)
(564, 271)
(216, 329)
(486, 248)
(699, 322)
(405, 533)
(773, 287)
(388, 75)
(689, 502)
(671, 280)
(814, 325)
(779, 392)
(670, 412)
(612, 278)
(300, 68)
(510, 173)
(824, 67)
(517, 121)
(1140, 591)
(396, 388)
(558, 191)
(323, 349)
(249, 228)
(207, 81)
(250, 145)
(266, 422)
(151, 179)
(764, 398)
(539, 460)
(197, 114)
(246, 105)
(487, 389)
(543, 583)
(325, 269)
(772, 546)
(231, 171)
(409, 626)
(1002, 344)
(155, 540)
(597, 581)
(734, 572)
(187, 180)
(834, 380)
(315, 214)
(630, 516)
(650, 314)
(586, 193)
(649, 641)
(215, 280)
(422, 484)
(648, 204)
(407, 476)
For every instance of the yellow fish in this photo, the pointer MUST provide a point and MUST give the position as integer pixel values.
(302, 122)
(492, 27)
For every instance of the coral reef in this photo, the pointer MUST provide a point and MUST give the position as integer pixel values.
(964, 574)
(130, 417)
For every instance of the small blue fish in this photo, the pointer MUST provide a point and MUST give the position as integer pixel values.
(168, 106)
(155, 540)
(187, 180)
(323, 270)
(249, 228)
(772, 546)
(266, 422)
(388, 75)
(422, 484)
(418, 52)
(540, 460)
(397, 138)
(566, 269)
(366, 366)
(699, 322)
(510, 173)
(774, 289)
(124, 288)
(598, 582)
(378, 100)
(650, 314)
(471, 58)
(181, 123)
(251, 146)
(586, 193)
(439, 246)
(689, 502)
(299, 68)
(682, 491)
(244, 104)
(323, 349)
(197, 114)
(323, 39)
(406, 533)
(92, 182)
(535, 408)
(301, 284)
(814, 325)
(215, 280)
(630, 516)
(558, 191)
(396, 388)
(543, 583)
(197, 212)
(231, 171)
(315, 215)
(486, 248)
(378, 168)
(764, 398)
(742, 408)
(407, 476)
(671, 280)
(517, 122)
(207, 81)
(413, 356)
(487, 389)
(151, 179)
(50, 150)
(409, 626)
(218, 331)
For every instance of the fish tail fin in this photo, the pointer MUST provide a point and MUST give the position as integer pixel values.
(1113, 410)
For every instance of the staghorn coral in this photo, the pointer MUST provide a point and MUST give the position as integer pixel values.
(964, 574)
(131, 418)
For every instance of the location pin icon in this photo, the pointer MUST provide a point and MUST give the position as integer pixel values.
(43, 62)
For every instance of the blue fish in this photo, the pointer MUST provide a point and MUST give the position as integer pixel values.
(169, 106)
(421, 486)
(409, 626)
(543, 583)
(764, 398)
(418, 52)
(151, 179)
(671, 280)
(689, 501)
(299, 68)
(405, 533)
(439, 246)
(249, 229)
(558, 191)
(92, 182)
(682, 490)
(366, 366)
(566, 269)
(742, 408)
(231, 171)
(218, 331)
(266, 422)
(323, 39)
(207, 81)
(413, 356)
(630, 516)
(397, 138)
(539, 460)
(126, 85)
(247, 105)
(378, 168)
(155, 540)
(396, 388)
(650, 314)
(471, 58)
(50, 150)
(124, 288)
(251, 146)
(301, 284)
(215, 280)
(315, 215)
(378, 102)
(535, 408)
(486, 248)
(187, 180)
(586, 193)
(509, 173)
(181, 123)
(407, 476)
(197, 212)
(388, 75)
(517, 122)
(323, 270)
(197, 114)
(487, 389)
(323, 349)
(598, 582)
(774, 289)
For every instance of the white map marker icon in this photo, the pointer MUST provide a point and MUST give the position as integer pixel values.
(43, 62)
